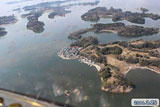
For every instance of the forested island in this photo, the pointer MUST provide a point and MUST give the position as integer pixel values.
(77, 34)
(2, 32)
(119, 28)
(116, 59)
(5, 20)
(52, 4)
(33, 23)
(125, 30)
(37, 26)
(55, 8)
(59, 11)
(17, 9)
(8, 20)
(118, 15)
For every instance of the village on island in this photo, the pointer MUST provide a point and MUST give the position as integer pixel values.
(70, 52)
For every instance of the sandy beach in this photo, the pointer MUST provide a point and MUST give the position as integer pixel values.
(111, 31)
(82, 60)
(88, 62)
(139, 67)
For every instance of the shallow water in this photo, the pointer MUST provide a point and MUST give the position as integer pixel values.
(29, 61)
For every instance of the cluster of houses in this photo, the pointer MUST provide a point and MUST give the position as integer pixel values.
(69, 52)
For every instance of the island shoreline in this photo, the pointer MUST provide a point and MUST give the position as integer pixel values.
(139, 67)
(81, 60)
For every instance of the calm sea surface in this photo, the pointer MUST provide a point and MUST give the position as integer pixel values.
(29, 61)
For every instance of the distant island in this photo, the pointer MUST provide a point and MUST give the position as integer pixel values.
(5, 20)
(55, 8)
(114, 60)
(53, 4)
(17, 9)
(33, 23)
(2, 32)
(8, 20)
(59, 11)
(37, 26)
(15, 2)
(119, 28)
(118, 15)
(125, 30)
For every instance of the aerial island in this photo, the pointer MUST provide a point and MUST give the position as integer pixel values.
(58, 11)
(52, 4)
(119, 28)
(38, 26)
(114, 60)
(2, 32)
(125, 30)
(33, 23)
(118, 15)
(5, 20)
(17, 9)
(55, 8)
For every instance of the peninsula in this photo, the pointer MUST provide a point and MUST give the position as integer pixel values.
(114, 60)
(118, 15)
(119, 28)
(77, 34)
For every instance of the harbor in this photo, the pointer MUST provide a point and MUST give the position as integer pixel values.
(72, 53)
(69, 52)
